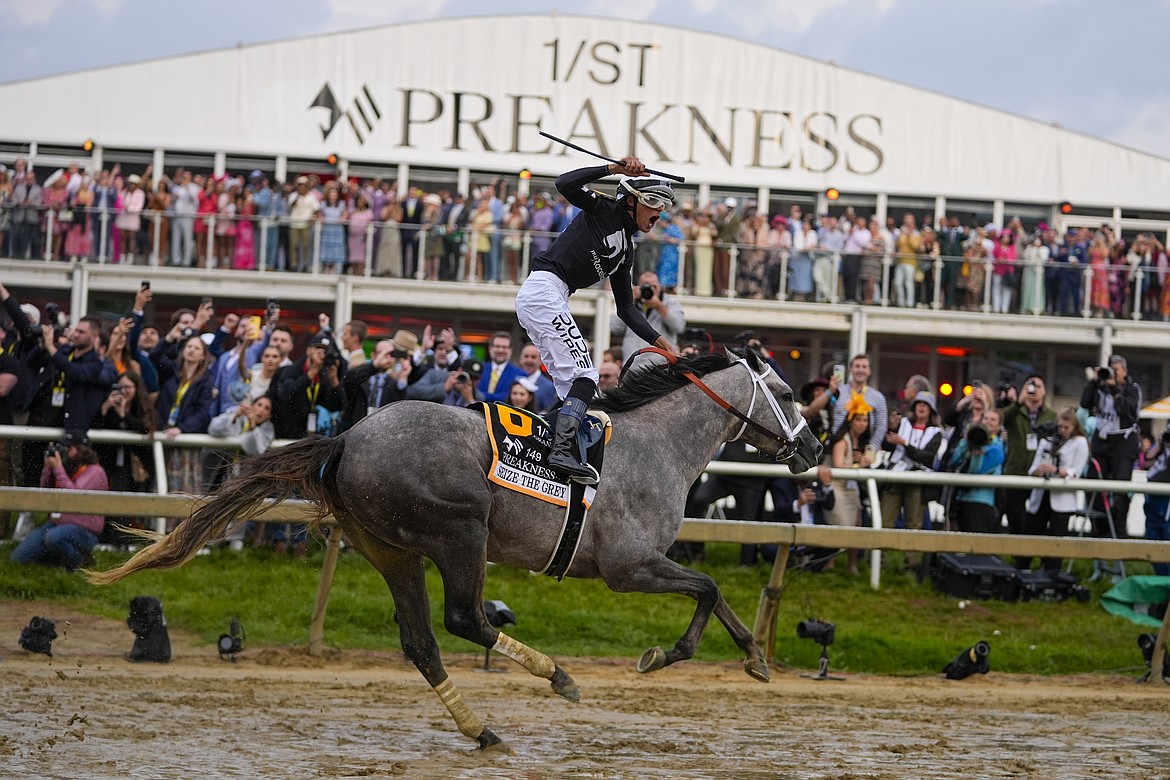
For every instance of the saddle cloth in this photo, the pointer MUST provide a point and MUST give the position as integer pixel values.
(520, 445)
(521, 442)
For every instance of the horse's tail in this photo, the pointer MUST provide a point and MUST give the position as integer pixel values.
(306, 467)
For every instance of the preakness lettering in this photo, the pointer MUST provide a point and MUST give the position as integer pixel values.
(766, 137)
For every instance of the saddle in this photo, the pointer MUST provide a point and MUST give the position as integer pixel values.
(521, 442)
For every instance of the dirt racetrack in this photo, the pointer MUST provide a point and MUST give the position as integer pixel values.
(278, 713)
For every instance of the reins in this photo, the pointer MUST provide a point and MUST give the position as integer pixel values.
(787, 439)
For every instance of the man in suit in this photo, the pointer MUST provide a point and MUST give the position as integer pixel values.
(412, 209)
(546, 391)
(455, 217)
(381, 380)
(501, 372)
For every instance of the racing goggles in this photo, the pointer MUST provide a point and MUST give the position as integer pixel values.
(654, 201)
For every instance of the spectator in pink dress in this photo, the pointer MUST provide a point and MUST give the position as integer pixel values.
(358, 234)
(243, 257)
(1003, 273)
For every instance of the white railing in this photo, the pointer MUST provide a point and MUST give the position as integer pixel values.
(458, 257)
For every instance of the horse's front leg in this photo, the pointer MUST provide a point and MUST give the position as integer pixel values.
(659, 574)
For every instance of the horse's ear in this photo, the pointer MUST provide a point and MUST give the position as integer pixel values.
(731, 356)
(753, 360)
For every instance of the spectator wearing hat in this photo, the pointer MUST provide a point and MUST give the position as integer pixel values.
(727, 222)
(817, 396)
(308, 396)
(432, 224)
(501, 372)
(383, 379)
(129, 219)
(303, 209)
(522, 394)
(912, 446)
(66, 539)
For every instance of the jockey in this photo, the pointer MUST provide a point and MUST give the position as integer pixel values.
(597, 244)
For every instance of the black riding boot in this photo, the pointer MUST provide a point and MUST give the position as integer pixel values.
(566, 457)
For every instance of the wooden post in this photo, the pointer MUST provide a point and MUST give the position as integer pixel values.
(317, 626)
(765, 628)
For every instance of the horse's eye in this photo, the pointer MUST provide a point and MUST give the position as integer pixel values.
(788, 398)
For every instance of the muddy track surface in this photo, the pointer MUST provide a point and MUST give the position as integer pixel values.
(278, 713)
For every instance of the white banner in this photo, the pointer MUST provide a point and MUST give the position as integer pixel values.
(475, 93)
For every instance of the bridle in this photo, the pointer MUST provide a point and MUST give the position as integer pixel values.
(789, 433)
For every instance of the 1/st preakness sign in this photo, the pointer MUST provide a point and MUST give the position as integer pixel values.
(682, 131)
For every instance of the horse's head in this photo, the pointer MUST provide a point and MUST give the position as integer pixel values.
(778, 430)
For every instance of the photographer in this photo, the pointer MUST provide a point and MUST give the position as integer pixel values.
(1158, 507)
(801, 501)
(1062, 454)
(66, 539)
(1115, 400)
(979, 451)
(663, 312)
(912, 443)
(1022, 419)
(460, 389)
(301, 393)
(81, 378)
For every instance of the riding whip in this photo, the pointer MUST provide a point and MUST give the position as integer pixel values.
(571, 145)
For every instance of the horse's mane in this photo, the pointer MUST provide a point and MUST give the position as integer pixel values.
(648, 382)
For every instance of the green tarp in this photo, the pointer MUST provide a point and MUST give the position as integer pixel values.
(1135, 598)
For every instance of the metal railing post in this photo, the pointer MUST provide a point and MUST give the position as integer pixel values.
(160, 478)
(936, 294)
(104, 236)
(472, 255)
(369, 250)
(732, 269)
(262, 258)
(157, 219)
(49, 215)
(315, 267)
(988, 265)
(1139, 276)
(682, 267)
(887, 263)
(1087, 292)
(210, 259)
(782, 292)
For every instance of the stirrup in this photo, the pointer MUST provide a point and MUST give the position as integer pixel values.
(575, 472)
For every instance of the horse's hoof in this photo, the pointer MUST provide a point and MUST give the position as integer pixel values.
(563, 685)
(489, 741)
(652, 660)
(757, 669)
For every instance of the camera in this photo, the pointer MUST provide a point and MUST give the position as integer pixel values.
(331, 359)
(463, 377)
(1104, 374)
(1046, 430)
(272, 306)
(186, 333)
(115, 389)
(647, 291)
(977, 437)
(55, 448)
(820, 631)
(1030, 388)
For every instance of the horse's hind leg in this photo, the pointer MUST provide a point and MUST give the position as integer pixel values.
(659, 574)
(404, 573)
(464, 616)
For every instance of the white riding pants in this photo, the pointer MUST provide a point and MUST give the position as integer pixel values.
(542, 306)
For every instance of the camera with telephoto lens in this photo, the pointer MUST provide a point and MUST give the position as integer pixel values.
(55, 448)
(647, 291)
(473, 370)
(1104, 374)
(52, 317)
(1047, 430)
(977, 436)
(820, 631)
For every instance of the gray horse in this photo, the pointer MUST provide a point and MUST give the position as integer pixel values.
(410, 482)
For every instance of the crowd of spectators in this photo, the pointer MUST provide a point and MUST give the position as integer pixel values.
(240, 374)
(369, 227)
